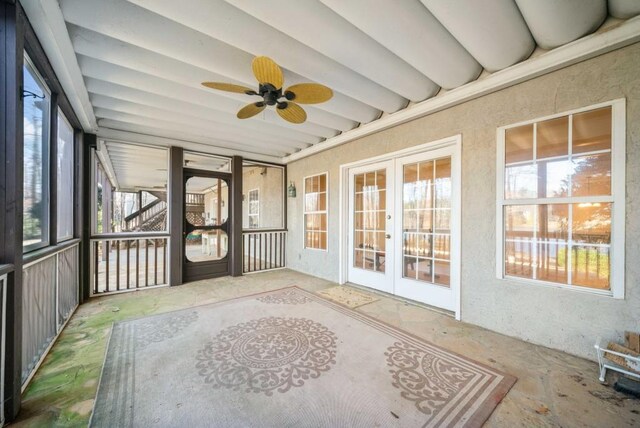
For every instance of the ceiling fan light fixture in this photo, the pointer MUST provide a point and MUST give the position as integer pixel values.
(270, 81)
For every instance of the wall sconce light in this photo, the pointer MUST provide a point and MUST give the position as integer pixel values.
(291, 190)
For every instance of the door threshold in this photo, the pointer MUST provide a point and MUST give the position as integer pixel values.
(403, 299)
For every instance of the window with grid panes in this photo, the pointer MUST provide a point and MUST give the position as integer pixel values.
(254, 208)
(315, 211)
(557, 199)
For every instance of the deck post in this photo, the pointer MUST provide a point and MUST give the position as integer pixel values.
(11, 197)
(175, 205)
(89, 142)
(236, 256)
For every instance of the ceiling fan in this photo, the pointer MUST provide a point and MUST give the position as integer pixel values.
(270, 80)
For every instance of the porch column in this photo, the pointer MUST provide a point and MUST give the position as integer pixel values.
(11, 196)
(88, 142)
(235, 216)
(175, 205)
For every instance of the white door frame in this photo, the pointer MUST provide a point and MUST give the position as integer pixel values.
(343, 230)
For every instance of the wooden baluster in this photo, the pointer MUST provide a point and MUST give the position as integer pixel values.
(106, 275)
(146, 262)
(137, 263)
(155, 261)
(128, 262)
(117, 265)
(96, 266)
(164, 261)
(270, 254)
(254, 251)
(260, 250)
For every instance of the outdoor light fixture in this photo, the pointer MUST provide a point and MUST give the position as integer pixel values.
(291, 191)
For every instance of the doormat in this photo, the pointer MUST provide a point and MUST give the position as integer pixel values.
(348, 296)
(286, 358)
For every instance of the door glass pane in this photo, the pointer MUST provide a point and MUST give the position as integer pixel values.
(370, 220)
(206, 245)
(426, 209)
(207, 201)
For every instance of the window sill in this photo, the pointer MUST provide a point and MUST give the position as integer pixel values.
(48, 251)
(5, 269)
(576, 288)
(317, 249)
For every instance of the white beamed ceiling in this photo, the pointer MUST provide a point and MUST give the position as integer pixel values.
(142, 61)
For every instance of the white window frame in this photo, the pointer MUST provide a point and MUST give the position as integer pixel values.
(257, 191)
(73, 177)
(305, 212)
(617, 198)
(46, 152)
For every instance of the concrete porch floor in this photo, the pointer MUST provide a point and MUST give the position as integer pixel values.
(553, 389)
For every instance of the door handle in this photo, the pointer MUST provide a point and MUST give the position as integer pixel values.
(388, 236)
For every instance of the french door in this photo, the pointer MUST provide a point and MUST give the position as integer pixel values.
(404, 219)
(371, 224)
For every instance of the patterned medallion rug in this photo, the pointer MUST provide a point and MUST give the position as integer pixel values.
(286, 358)
(348, 296)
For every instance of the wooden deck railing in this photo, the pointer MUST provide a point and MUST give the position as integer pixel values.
(263, 250)
(135, 220)
(126, 263)
(194, 199)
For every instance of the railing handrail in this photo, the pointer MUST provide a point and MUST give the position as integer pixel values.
(143, 209)
(123, 236)
(249, 231)
(6, 269)
(43, 253)
(198, 197)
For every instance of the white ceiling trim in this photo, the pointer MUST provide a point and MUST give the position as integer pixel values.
(49, 25)
(588, 47)
(103, 155)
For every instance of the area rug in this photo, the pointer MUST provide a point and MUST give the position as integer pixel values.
(286, 358)
(347, 296)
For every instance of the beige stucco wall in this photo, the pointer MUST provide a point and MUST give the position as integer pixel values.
(269, 183)
(558, 318)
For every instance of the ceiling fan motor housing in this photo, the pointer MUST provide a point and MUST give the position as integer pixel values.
(270, 94)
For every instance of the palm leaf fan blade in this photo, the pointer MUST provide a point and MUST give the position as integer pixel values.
(227, 87)
(309, 93)
(250, 110)
(292, 113)
(267, 71)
